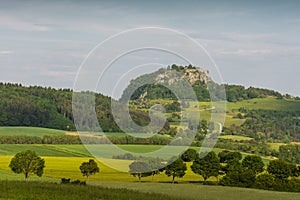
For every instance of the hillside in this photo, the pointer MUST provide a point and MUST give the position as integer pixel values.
(261, 114)
(52, 108)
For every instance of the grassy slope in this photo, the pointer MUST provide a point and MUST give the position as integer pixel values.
(29, 131)
(269, 103)
(124, 191)
(35, 190)
(199, 192)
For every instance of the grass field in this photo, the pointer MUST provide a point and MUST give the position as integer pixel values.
(203, 192)
(29, 131)
(81, 151)
(36, 190)
(269, 103)
(134, 191)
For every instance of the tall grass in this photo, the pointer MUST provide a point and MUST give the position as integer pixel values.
(48, 191)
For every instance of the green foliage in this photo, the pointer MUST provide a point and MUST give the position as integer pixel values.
(51, 108)
(264, 181)
(290, 153)
(226, 156)
(189, 155)
(207, 166)
(238, 176)
(89, 168)
(176, 168)
(139, 169)
(280, 169)
(237, 93)
(173, 107)
(28, 163)
(274, 124)
(68, 181)
(254, 163)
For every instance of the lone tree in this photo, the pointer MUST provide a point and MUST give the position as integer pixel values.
(89, 168)
(254, 163)
(28, 163)
(176, 169)
(140, 169)
(207, 166)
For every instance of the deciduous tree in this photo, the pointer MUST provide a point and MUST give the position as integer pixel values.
(89, 168)
(27, 163)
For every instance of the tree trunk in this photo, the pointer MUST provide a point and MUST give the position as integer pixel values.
(173, 179)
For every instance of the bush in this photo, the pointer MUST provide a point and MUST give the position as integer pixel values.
(65, 180)
(68, 181)
(264, 181)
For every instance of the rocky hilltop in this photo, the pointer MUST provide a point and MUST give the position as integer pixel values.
(189, 73)
(154, 86)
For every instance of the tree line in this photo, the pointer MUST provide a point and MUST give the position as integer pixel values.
(52, 108)
(228, 167)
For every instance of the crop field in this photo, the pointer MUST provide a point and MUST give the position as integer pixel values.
(235, 137)
(68, 167)
(64, 161)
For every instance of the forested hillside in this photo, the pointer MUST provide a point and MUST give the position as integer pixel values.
(52, 108)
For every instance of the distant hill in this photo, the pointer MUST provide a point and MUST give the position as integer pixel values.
(197, 77)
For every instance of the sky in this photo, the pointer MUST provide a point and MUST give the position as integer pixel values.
(253, 43)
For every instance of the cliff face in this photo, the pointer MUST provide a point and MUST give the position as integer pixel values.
(191, 74)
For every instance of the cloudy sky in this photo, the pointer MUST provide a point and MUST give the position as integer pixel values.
(253, 43)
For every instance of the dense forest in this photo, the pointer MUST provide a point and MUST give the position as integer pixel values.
(272, 125)
(52, 108)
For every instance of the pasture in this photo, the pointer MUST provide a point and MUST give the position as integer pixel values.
(29, 131)
(35, 190)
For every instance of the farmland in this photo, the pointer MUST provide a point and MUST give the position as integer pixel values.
(64, 161)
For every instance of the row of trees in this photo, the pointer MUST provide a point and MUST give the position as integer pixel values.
(70, 139)
(233, 170)
(250, 172)
(29, 163)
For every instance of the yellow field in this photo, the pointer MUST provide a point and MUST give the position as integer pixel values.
(68, 167)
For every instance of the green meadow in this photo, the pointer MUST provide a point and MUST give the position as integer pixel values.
(29, 131)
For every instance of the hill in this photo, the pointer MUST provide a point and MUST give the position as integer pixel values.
(198, 78)
(52, 108)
